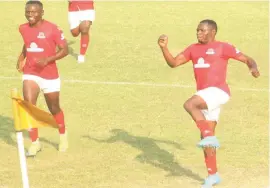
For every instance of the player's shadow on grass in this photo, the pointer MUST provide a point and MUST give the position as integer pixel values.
(7, 130)
(7, 133)
(44, 140)
(151, 152)
(71, 50)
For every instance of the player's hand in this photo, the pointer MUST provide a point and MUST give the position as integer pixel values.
(20, 65)
(43, 62)
(255, 72)
(163, 41)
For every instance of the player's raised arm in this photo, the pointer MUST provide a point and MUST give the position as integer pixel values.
(21, 58)
(250, 62)
(180, 59)
(231, 52)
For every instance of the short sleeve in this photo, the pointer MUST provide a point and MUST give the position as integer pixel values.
(21, 29)
(187, 52)
(230, 51)
(58, 37)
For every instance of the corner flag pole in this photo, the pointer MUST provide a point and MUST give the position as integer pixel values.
(20, 142)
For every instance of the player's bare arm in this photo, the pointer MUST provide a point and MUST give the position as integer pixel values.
(20, 62)
(61, 53)
(250, 62)
(171, 61)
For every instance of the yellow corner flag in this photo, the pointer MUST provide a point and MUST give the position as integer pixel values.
(28, 116)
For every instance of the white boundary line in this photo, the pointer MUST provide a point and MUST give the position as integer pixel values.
(149, 84)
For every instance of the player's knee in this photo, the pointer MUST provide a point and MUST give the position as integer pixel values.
(85, 27)
(85, 31)
(188, 106)
(75, 33)
(54, 109)
(30, 97)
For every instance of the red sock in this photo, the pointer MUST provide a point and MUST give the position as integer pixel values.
(33, 134)
(84, 44)
(59, 118)
(204, 128)
(211, 163)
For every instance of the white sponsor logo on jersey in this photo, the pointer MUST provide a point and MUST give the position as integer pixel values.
(201, 64)
(34, 48)
(210, 51)
(41, 35)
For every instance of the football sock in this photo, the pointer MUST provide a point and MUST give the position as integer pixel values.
(84, 43)
(59, 118)
(33, 134)
(211, 163)
(204, 128)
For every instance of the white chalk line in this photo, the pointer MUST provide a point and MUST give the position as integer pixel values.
(139, 84)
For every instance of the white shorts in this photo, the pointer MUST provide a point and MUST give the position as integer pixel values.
(46, 86)
(76, 17)
(214, 98)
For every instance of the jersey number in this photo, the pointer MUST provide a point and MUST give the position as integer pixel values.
(201, 64)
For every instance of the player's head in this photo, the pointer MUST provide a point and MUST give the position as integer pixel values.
(33, 12)
(206, 31)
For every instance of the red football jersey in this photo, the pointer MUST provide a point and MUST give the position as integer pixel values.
(77, 5)
(210, 63)
(41, 42)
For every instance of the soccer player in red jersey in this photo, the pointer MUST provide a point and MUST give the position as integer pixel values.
(81, 14)
(210, 59)
(37, 61)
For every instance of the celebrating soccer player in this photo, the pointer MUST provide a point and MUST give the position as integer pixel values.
(37, 61)
(81, 14)
(210, 59)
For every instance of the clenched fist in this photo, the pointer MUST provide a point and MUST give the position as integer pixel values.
(163, 41)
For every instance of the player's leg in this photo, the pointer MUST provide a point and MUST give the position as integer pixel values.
(87, 17)
(75, 32)
(74, 23)
(210, 152)
(31, 91)
(30, 94)
(205, 100)
(213, 98)
(194, 107)
(52, 100)
(85, 39)
(51, 89)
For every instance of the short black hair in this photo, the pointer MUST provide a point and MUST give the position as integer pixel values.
(211, 23)
(30, 2)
